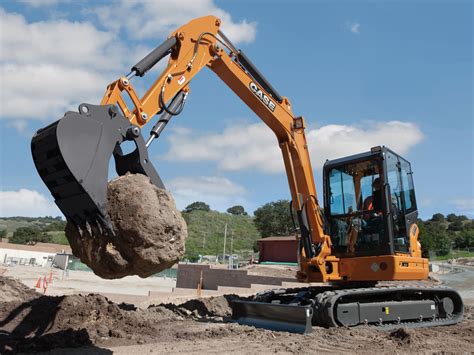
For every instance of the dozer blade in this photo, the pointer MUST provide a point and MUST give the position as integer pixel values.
(72, 157)
(278, 317)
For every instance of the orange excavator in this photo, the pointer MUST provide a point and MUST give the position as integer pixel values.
(366, 232)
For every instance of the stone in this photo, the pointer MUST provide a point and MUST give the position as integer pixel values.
(149, 231)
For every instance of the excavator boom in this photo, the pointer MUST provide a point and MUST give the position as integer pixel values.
(72, 154)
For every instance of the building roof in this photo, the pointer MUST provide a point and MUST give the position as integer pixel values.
(278, 239)
(40, 247)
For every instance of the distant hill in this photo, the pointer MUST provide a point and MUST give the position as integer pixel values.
(54, 226)
(10, 224)
(206, 233)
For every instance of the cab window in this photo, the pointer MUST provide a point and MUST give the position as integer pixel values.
(408, 189)
(356, 208)
(342, 198)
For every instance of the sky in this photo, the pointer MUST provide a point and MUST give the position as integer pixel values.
(362, 73)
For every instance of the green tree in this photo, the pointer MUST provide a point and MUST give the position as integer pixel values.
(55, 225)
(469, 226)
(425, 239)
(456, 226)
(438, 237)
(237, 210)
(465, 239)
(451, 217)
(274, 218)
(26, 235)
(3, 233)
(438, 217)
(197, 206)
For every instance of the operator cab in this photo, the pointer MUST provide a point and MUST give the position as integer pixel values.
(369, 203)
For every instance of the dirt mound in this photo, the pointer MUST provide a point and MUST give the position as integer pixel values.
(469, 261)
(273, 270)
(40, 323)
(204, 307)
(70, 321)
(12, 290)
(150, 231)
(402, 336)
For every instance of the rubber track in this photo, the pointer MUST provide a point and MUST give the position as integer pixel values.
(326, 304)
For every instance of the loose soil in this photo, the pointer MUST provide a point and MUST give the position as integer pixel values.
(150, 231)
(462, 261)
(272, 270)
(31, 323)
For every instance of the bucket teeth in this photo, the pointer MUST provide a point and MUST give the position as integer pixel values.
(99, 227)
(79, 230)
(89, 228)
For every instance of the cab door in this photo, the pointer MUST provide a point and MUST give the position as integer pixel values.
(401, 200)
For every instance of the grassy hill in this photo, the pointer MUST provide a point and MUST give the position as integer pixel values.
(205, 229)
(206, 233)
(52, 226)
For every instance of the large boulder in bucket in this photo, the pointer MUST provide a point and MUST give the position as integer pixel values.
(149, 231)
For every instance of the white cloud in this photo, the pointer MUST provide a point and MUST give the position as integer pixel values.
(154, 19)
(335, 141)
(48, 67)
(354, 27)
(26, 203)
(46, 91)
(464, 205)
(64, 43)
(250, 146)
(254, 146)
(38, 3)
(220, 193)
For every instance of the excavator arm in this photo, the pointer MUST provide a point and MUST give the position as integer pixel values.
(199, 44)
(72, 154)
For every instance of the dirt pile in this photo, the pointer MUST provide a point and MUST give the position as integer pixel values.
(273, 270)
(12, 291)
(462, 261)
(403, 336)
(31, 322)
(150, 231)
(213, 307)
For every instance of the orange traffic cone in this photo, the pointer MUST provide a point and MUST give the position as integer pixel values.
(38, 283)
(50, 279)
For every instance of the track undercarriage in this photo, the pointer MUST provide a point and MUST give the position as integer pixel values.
(297, 310)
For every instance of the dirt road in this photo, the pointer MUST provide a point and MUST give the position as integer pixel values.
(31, 323)
(461, 278)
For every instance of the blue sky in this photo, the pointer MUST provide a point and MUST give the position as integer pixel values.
(366, 73)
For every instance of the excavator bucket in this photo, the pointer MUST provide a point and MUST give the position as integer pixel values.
(278, 317)
(72, 157)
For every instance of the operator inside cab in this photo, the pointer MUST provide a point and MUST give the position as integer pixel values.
(374, 203)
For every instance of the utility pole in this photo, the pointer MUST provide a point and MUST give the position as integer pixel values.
(225, 239)
(217, 248)
(231, 259)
